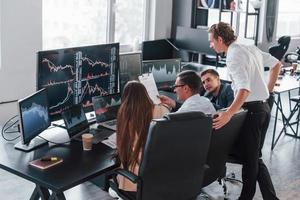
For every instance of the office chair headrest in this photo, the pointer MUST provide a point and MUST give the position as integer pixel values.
(284, 41)
(184, 115)
(280, 49)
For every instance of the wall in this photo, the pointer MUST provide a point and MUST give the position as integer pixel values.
(160, 19)
(21, 38)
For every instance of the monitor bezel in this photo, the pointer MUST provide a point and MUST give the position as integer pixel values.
(169, 83)
(107, 96)
(168, 41)
(122, 82)
(57, 117)
(25, 140)
(72, 131)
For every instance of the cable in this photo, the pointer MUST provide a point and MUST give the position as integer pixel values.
(4, 129)
(11, 126)
(54, 142)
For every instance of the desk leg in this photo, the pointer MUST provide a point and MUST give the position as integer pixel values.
(57, 196)
(285, 121)
(40, 192)
(275, 122)
(290, 104)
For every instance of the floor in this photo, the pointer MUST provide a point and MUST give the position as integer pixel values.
(283, 163)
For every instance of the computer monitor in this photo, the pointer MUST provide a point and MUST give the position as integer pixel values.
(75, 120)
(130, 67)
(106, 107)
(158, 49)
(193, 40)
(34, 118)
(74, 75)
(164, 71)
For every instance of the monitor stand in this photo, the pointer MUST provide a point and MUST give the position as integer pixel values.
(34, 143)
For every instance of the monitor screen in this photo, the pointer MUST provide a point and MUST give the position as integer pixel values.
(106, 108)
(130, 67)
(193, 40)
(164, 71)
(158, 49)
(75, 119)
(34, 116)
(75, 75)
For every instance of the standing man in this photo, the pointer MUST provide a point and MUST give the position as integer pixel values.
(220, 94)
(246, 67)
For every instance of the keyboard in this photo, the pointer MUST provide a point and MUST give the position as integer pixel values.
(111, 123)
(100, 134)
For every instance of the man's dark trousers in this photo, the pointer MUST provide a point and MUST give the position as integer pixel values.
(251, 140)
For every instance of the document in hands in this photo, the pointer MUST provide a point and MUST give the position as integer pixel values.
(148, 81)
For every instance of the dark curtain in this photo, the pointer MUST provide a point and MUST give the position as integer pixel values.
(270, 18)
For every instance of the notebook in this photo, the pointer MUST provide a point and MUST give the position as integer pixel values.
(106, 109)
(44, 163)
(76, 124)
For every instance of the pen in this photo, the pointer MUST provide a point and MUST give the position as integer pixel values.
(49, 159)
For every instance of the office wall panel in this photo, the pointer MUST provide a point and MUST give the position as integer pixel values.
(21, 38)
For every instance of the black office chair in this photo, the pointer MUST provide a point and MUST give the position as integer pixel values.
(174, 158)
(280, 49)
(222, 142)
(292, 57)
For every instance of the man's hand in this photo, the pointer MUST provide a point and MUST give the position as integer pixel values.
(224, 117)
(221, 119)
(167, 101)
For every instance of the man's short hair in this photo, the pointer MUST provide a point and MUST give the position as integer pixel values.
(224, 31)
(191, 79)
(210, 71)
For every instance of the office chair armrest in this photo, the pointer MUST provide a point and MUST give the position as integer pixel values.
(127, 174)
(115, 185)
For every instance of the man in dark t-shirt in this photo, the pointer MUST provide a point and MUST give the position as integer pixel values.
(220, 94)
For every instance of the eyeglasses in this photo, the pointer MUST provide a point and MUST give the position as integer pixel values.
(176, 86)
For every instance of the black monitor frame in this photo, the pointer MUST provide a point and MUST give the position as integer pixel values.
(67, 56)
(162, 85)
(72, 112)
(129, 72)
(158, 49)
(24, 139)
(194, 40)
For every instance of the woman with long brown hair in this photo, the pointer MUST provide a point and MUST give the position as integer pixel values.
(133, 120)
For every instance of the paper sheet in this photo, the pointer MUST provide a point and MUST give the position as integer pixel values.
(111, 141)
(148, 81)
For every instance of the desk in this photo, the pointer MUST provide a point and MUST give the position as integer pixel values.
(78, 166)
(287, 84)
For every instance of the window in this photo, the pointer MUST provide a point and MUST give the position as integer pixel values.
(71, 23)
(288, 18)
(129, 21)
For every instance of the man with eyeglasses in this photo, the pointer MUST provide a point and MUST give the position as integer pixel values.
(187, 86)
(246, 67)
